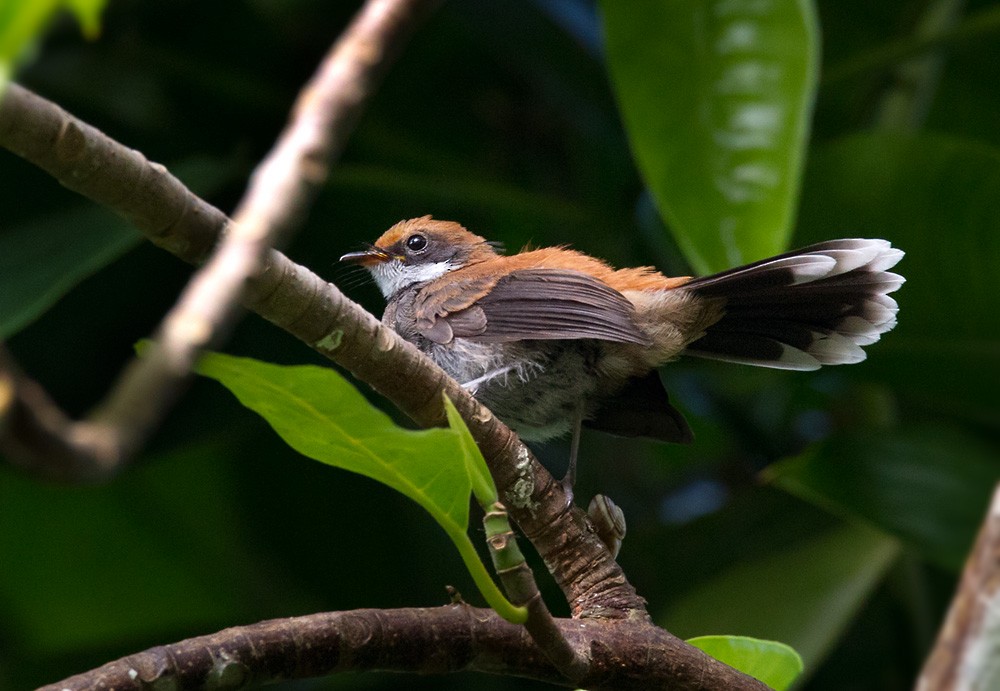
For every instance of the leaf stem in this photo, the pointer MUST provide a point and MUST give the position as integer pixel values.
(500, 604)
(519, 582)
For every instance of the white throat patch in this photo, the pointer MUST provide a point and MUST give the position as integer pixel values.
(393, 275)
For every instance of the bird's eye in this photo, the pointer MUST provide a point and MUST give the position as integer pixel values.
(416, 243)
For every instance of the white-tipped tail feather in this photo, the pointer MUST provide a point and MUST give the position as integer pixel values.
(816, 306)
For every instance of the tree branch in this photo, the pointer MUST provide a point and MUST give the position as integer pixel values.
(965, 655)
(278, 197)
(31, 424)
(314, 311)
(624, 654)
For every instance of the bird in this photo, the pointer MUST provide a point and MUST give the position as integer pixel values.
(552, 339)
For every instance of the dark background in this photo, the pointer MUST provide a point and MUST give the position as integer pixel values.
(502, 117)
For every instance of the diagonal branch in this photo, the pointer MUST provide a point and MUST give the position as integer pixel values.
(316, 312)
(624, 654)
(276, 202)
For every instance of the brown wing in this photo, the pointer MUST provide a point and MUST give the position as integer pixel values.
(536, 304)
(444, 309)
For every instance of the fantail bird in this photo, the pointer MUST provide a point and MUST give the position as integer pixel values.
(551, 338)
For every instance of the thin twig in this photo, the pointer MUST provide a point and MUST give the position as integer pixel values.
(32, 425)
(625, 654)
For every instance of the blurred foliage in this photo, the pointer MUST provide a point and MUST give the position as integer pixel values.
(504, 118)
(22, 21)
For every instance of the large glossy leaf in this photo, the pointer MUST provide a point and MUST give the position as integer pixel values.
(929, 486)
(716, 96)
(41, 260)
(936, 198)
(320, 415)
(773, 663)
(804, 595)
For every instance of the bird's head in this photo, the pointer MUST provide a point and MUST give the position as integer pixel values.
(420, 250)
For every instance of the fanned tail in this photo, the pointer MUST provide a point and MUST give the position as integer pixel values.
(800, 310)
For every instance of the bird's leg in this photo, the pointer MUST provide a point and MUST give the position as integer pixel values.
(569, 479)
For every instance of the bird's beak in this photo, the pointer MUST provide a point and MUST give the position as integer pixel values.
(368, 257)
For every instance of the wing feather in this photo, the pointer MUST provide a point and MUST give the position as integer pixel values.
(537, 304)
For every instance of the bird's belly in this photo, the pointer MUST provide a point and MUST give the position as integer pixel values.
(537, 388)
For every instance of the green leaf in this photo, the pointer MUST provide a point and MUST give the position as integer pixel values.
(483, 487)
(929, 486)
(773, 663)
(22, 22)
(41, 260)
(323, 417)
(320, 415)
(716, 97)
(935, 198)
(804, 595)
